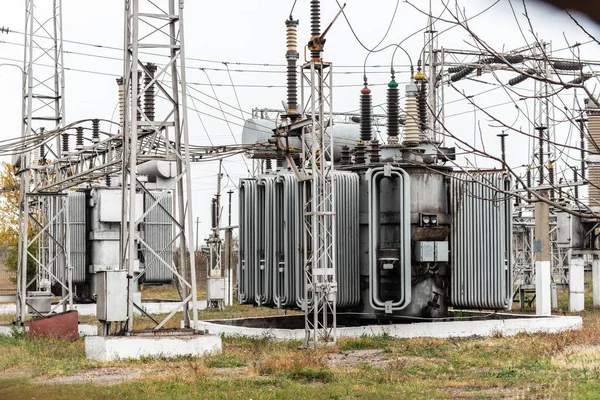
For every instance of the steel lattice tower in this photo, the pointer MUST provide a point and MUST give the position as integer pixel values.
(43, 217)
(320, 285)
(157, 27)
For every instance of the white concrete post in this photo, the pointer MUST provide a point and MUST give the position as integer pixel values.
(596, 281)
(576, 285)
(543, 298)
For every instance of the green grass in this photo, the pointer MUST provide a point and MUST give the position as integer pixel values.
(565, 365)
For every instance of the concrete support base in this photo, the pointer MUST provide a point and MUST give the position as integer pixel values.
(512, 325)
(576, 285)
(110, 348)
(596, 282)
(543, 297)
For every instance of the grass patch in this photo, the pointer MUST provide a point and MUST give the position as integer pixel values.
(308, 374)
(223, 361)
(366, 342)
(565, 365)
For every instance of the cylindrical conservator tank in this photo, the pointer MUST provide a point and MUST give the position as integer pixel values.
(261, 130)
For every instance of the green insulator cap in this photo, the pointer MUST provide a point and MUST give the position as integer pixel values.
(393, 83)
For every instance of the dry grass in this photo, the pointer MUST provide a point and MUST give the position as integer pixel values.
(165, 292)
(565, 365)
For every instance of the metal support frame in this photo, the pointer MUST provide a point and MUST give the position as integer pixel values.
(523, 268)
(157, 27)
(319, 235)
(215, 267)
(543, 118)
(43, 218)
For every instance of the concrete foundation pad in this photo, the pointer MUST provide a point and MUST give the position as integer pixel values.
(110, 348)
(510, 325)
(84, 329)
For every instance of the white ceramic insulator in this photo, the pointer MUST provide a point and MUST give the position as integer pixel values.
(292, 38)
(412, 132)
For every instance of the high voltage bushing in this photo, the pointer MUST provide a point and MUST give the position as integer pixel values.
(423, 105)
(502, 137)
(42, 154)
(292, 59)
(528, 178)
(149, 93)
(315, 24)
(412, 132)
(360, 153)
(580, 79)
(139, 96)
(65, 142)
(508, 58)
(463, 73)
(521, 78)
(268, 164)
(279, 161)
(567, 65)
(575, 179)
(541, 130)
(517, 79)
(79, 138)
(393, 112)
(345, 157)
(551, 178)
(95, 130)
(120, 84)
(366, 128)
(374, 155)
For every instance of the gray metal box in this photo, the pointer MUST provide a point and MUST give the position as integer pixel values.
(111, 304)
(216, 288)
(570, 230)
(424, 251)
(441, 251)
(39, 301)
(431, 251)
(110, 205)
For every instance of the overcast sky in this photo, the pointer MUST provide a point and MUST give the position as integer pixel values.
(243, 31)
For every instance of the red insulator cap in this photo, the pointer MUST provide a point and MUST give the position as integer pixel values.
(365, 90)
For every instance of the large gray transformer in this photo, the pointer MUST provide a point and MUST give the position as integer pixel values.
(412, 239)
(95, 226)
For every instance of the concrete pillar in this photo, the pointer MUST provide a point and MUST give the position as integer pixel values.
(554, 296)
(576, 285)
(596, 281)
(543, 298)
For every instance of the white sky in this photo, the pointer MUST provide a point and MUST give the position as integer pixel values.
(254, 32)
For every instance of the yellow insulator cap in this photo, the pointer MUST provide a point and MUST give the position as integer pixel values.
(419, 76)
